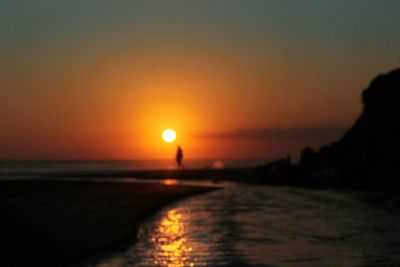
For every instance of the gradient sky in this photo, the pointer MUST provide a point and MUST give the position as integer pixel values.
(236, 79)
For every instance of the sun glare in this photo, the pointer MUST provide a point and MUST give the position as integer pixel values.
(169, 135)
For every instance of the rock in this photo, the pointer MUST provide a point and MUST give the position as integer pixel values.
(368, 154)
(308, 155)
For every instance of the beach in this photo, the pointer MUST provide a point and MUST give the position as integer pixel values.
(60, 223)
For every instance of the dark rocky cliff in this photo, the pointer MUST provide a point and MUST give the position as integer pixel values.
(368, 155)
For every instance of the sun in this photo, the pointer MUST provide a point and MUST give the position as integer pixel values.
(169, 135)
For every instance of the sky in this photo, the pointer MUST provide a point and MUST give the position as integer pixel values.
(100, 79)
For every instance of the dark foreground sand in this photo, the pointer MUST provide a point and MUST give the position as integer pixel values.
(58, 223)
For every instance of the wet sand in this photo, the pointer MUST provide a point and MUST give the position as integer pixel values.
(59, 223)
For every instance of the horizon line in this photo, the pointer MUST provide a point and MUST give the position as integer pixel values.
(137, 159)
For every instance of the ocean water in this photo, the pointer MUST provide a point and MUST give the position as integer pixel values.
(37, 168)
(253, 226)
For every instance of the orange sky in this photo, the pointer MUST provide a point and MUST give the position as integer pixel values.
(109, 95)
(116, 106)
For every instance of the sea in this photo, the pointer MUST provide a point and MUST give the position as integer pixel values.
(18, 168)
(264, 226)
(244, 225)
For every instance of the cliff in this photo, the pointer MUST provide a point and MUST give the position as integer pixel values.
(367, 156)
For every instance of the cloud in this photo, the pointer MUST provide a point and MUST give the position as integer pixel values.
(284, 134)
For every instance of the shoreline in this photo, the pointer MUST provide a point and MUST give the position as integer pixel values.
(59, 223)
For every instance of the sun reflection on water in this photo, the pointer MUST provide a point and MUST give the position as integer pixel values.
(170, 182)
(171, 243)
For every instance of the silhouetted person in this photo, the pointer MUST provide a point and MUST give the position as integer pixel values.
(179, 157)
